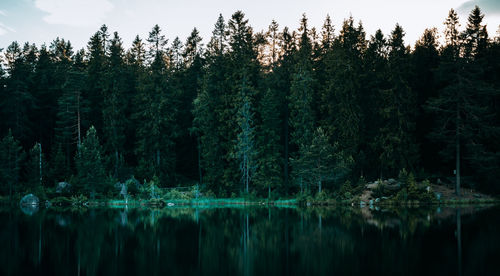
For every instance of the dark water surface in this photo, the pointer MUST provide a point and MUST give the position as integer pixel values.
(251, 241)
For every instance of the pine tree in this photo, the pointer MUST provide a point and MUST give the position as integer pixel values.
(71, 109)
(324, 162)
(11, 156)
(424, 62)
(206, 122)
(18, 101)
(474, 37)
(242, 75)
(156, 115)
(396, 138)
(300, 104)
(270, 150)
(189, 82)
(115, 102)
(343, 88)
(91, 177)
(35, 167)
(95, 79)
(464, 120)
(245, 146)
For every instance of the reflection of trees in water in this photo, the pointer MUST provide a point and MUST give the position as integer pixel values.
(245, 241)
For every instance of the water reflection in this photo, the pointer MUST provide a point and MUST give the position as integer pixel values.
(250, 241)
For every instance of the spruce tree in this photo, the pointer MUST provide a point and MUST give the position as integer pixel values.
(397, 135)
(245, 147)
(91, 177)
(206, 121)
(35, 167)
(115, 103)
(270, 150)
(11, 156)
(156, 115)
(300, 104)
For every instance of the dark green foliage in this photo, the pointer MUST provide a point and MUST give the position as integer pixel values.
(11, 156)
(246, 151)
(115, 103)
(91, 177)
(156, 113)
(269, 168)
(396, 138)
(320, 108)
(320, 161)
(36, 165)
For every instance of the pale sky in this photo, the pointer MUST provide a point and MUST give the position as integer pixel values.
(41, 21)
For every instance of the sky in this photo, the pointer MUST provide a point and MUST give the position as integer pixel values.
(41, 21)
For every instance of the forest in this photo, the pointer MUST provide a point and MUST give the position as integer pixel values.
(274, 112)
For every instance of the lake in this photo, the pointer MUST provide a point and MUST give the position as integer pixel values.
(250, 241)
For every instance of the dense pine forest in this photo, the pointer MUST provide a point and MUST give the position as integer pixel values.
(275, 112)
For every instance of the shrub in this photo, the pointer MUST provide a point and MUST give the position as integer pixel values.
(321, 196)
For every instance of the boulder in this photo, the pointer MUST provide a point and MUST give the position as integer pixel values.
(63, 187)
(29, 204)
(29, 199)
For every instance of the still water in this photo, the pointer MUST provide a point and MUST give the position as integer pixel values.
(250, 241)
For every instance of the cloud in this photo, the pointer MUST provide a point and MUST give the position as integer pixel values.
(489, 7)
(78, 13)
(2, 12)
(4, 29)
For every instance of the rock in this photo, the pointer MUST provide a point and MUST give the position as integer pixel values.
(373, 185)
(63, 187)
(30, 199)
(438, 196)
(29, 204)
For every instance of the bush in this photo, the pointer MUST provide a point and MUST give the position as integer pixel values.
(209, 194)
(321, 196)
(61, 201)
(175, 194)
(132, 186)
(346, 187)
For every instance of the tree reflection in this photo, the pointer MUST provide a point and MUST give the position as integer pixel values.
(249, 241)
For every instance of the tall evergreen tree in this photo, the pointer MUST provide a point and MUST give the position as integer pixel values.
(156, 115)
(300, 103)
(91, 177)
(115, 102)
(11, 156)
(424, 62)
(35, 167)
(396, 139)
(464, 120)
(245, 146)
(95, 79)
(324, 162)
(342, 89)
(270, 150)
(17, 100)
(206, 122)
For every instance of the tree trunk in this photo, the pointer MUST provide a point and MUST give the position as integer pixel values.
(116, 163)
(199, 160)
(457, 145)
(40, 163)
(285, 165)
